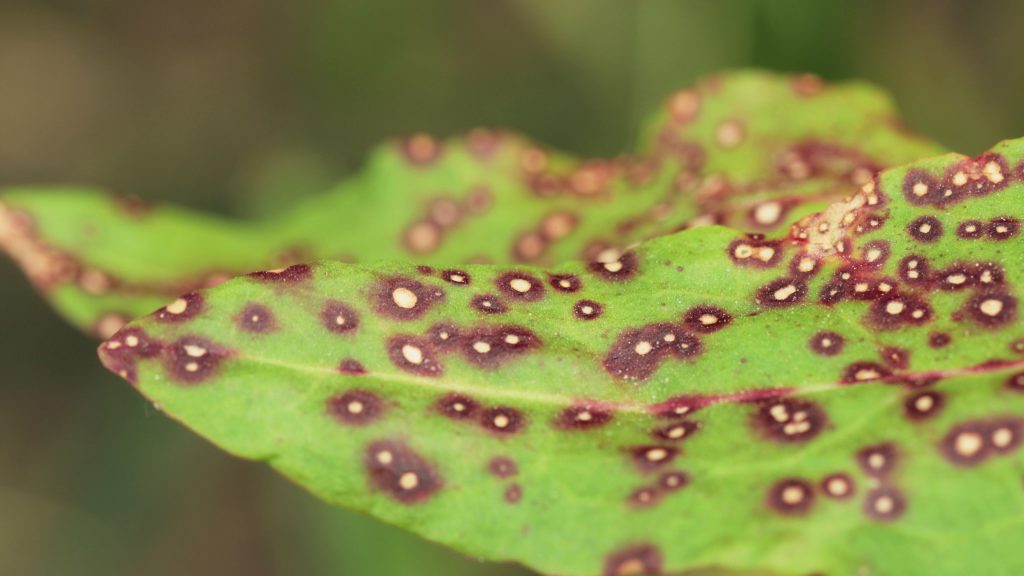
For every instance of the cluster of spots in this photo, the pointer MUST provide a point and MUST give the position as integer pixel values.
(121, 352)
(403, 298)
(441, 216)
(816, 159)
(504, 468)
(999, 228)
(755, 251)
(651, 494)
(256, 319)
(791, 496)
(499, 420)
(586, 179)
(638, 352)
(355, 407)
(970, 178)
(191, 359)
(973, 442)
(396, 470)
(184, 308)
(789, 419)
(883, 501)
(641, 559)
(293, 274)
(531, 245)
(991, 304)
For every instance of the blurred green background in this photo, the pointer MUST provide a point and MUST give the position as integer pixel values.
(241, 107)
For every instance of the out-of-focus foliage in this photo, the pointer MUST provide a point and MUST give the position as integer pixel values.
(244, 108)
(751, 150)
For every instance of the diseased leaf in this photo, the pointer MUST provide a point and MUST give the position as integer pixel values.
(749, 149)
(846, 399)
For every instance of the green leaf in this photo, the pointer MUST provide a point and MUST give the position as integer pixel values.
(749, 149)
(848, 399)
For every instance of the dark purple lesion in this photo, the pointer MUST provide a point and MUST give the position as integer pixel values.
(971, 443)
(339, 317)
(492, 346)
(185, 308)
(634, 560)
(256, 319)
(706, 319)
(789, 420)
(395, 469)
(791, 497)
(122, 352)
(488, 304)
(567, 283)
(403, 298)
(356, 407)
(620, 269)
(878, 460)
(587, 416)
(192, 360)
(638, 352)
(782, 292)
(457, 407)
(520, 286)
(294, 274)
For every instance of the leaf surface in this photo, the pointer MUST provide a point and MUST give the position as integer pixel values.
(748, 149)
(845, 399)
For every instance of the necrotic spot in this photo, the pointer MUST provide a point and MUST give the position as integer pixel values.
(444, 336)
(414, 355)
(677, 431)
(290, 275)
(755, 252)
(894, 310)
(826, 343)
(897, 358)
(457, 407)
(587, 310)
(634, 560)
(502, 420)
(878, 460)
(502, 467)
(923, 405)
(638, 352)
(351, 367)
(648, 458)
(1016, 382)
(1002, 228)
(256, 319)
(520, 286)
(395, 469)
(184, 308)
(781, 293)
(644, 497)
(874, 254)
(706, 319)
(789, 419)
(457, 277)
(583, 417)
(492, 346)
(191, 359)
(972, 442)
(925, 229)
(672, 481)
(567, 283)
(404, 298)
(339, 317)
(915, 270)
(884, 504)
(488, 304)
(791, 497)
(355, 407)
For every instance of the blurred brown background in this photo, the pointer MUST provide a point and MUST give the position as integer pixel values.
(241, 107)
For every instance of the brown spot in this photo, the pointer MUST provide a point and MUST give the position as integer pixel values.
(423, 237)
(351, 367)
(402, 298)
(617, 269)
(520, 286)
(970, 229)
(791, 497)
(339, 317)
(884, 504)
(355, 407)
(939, 339)
(706, 319)
(444, 336)
(290, 275)
(991, 308)
(587, 310)
(915, 270)
(395, 469)
(184, 308)
(457, 277)
(648, 458)
(923, 405)
(568, 283)
(492, 346)
(781, 293)
(677, 431)
(973, 442)
(457, 407)
(672, 481)
(755, 252)
(256, 319)
(839, 486)
(414, 354)
(789, 419)
(488, 304)
(878, 460)
(1003, 228)
(925, 229)
(502, 420)
(420, 149)
(583, 417)
(1015, 382)
(642, 559)
(897, 358)
(875, 254)
(827, 343)
(514, 493)
(860, 372)
(502, 467)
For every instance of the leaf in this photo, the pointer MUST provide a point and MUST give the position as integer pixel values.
(848, 399)
(747, 149)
